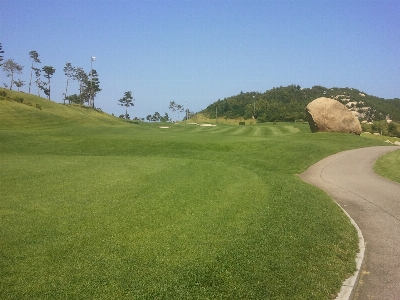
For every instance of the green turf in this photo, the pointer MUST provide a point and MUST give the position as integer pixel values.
(387, 166)
(95, 208)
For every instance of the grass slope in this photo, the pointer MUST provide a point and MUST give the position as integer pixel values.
(384, 166)
(95, 208)
(15, 115)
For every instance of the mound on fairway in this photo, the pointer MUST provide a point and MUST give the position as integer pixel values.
(20, 110)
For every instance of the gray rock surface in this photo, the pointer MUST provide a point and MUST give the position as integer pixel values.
(328, 115)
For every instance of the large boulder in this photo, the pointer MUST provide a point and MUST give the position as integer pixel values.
(328, 115)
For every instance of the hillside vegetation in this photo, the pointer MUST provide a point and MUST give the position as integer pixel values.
(287, 104)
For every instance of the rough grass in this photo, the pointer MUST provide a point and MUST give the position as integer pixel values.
(15, 115)
(95, 208)
(382, 138)
(387, 166)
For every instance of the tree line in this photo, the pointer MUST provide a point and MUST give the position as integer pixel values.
(128, 101)
(174, 107)
(89, 84)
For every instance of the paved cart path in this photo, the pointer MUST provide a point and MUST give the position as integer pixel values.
(374, 204)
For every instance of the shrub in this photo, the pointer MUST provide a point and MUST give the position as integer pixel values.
(374, 128)
(19, 99)
(38, 106)
(392, 129)
(242, 123)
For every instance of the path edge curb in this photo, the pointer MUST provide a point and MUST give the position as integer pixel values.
(349, 286)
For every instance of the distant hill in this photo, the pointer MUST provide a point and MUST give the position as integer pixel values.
(21, 110)
(288, 104)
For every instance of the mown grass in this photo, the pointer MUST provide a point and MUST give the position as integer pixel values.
(94, 208)
(202, 119)
(387, 166)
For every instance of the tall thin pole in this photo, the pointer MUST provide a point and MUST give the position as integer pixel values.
(66, 91)
(254, 108)
(93, 58)
(91, 81)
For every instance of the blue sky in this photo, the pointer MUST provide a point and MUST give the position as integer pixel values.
(197, 52)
